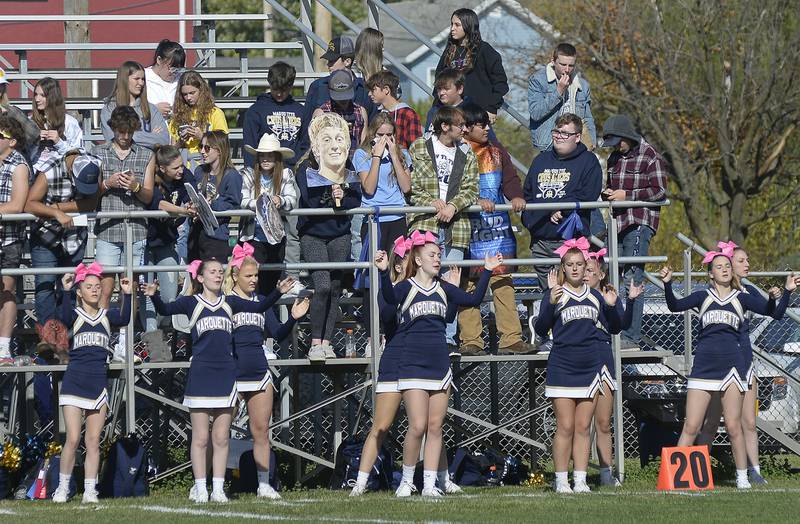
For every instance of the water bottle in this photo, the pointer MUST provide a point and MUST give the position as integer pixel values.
(349, 344)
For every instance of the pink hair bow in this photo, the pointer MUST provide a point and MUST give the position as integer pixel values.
(419, 238)
(82, 271)
(402, 245)
(240, 253)
(580, 244)
(725, 249)
(193, 267)
(597, 255)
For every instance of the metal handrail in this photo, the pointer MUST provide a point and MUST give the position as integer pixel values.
(135, 18)
(23, 47)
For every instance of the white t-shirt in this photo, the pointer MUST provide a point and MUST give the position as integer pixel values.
(445, 157)
(159, 90)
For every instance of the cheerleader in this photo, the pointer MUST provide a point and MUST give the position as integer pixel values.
(211, 382)
(719, 367)
(83, 389)
(596, 277)
(424, 376)
(741, 268)
(254, 378)
(578, 315)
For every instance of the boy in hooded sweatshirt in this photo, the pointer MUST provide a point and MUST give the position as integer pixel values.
(382, 88)
(275, 113)
(568, 172)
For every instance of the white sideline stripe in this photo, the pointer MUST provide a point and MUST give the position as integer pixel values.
(258, 516)
(8, 512)
(647, 493)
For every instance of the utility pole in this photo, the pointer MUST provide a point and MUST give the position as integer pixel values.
(322, 26)
(77, 32)
(268, 53)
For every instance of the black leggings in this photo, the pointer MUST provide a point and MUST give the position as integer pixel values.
(266, 253)
(327, 283)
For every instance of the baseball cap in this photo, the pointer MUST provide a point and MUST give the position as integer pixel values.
(341, 45)
(3, 78)
(340, 85)
(86, 172)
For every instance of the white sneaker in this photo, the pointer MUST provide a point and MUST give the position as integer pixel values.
(60, 495)
(451, 488)
(329, 352)
(743, 484)
(563, 488)
(198, 496)
(89, 497)
(432, 492)
(267, 492)
(581, 487)
(610, 481)
(405, 489)
(218, 497)
(358, 490)
(317, 353)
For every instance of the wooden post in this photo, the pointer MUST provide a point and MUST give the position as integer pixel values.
(77, 32)
(322, 26)
(268, 53)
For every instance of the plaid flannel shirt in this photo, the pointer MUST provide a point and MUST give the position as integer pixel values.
(10, 232)
(425, 189)
(641, 173)
(60, 188)
(406, 125)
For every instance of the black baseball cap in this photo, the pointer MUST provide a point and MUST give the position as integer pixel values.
(341, 45)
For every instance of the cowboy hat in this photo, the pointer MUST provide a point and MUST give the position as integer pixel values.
(269, 144)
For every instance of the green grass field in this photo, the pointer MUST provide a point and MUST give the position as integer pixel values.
(637, 501)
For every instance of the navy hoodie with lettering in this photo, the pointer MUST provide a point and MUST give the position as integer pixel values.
(576, 177)
(282, 119)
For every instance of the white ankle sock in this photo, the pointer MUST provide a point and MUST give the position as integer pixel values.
(561, 477)
(442, 476)
(5, 344)
(741, 474)
(428, 479)
(89, 484)
(63, 480)
(200, 483)
(217, 483)
(579, 476)
(408, 473)
(263, 478)
(362, 479)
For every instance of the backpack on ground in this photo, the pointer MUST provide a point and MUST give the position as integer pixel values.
(125, 471)
(248, 473)
(348, 458)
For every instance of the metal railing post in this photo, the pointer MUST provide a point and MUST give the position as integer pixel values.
(23, 69)
(374, 312)
(687, 316)
(211, 57)
(619, 432)
(373, 15)
(307, 41)
(128, 372)
(243, 67)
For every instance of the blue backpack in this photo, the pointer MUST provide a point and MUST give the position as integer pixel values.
(465, 468)
(125, 472)
(348, 459)
(248, 474)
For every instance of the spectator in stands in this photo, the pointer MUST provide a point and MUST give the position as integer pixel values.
(169, 194)
(445, 176)
(369, 53)
(341, 89)
(568, 172)
(30, 128)
(326, 179)
(130, 90)
(62, 185)
(482, 66)
(270, 178)
(14, 176)
(221, 185)
(555, 90)
(59, 132)
(449, 89)
(274, 113)
(491, 234)
(162, 77)
(383, 88)
(636, 171)
(193, 115)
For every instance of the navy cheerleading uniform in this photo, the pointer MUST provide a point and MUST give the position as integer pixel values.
(85, 379)
(775, 311)
(211, 381)
(719, 359)
(249, 325)
(582, 324)
(389, 365)
(422, 315)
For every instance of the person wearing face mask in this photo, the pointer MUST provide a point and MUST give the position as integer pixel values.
(130, 90)
(162, 76)
(720, 368)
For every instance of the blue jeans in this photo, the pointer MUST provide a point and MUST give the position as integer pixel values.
(450, 253)
(635, 242)
(167, 281)
(48, 286)
(113, 254)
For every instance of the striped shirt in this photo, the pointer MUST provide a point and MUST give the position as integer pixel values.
(60, 188)
(11, 231)
(118, 199)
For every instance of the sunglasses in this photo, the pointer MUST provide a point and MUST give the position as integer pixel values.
(206, 148)
(5, 134)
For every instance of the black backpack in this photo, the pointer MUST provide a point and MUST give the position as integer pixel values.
(248, 474)
(465, 468)
(125, 471)
(348, 458)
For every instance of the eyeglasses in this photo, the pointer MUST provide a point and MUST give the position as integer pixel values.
(558, 133)
(4, 134)
(460, 125)
(206, 148)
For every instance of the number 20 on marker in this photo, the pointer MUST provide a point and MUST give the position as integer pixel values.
(686, 468)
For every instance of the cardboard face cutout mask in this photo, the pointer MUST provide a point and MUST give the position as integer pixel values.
(330, 143)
